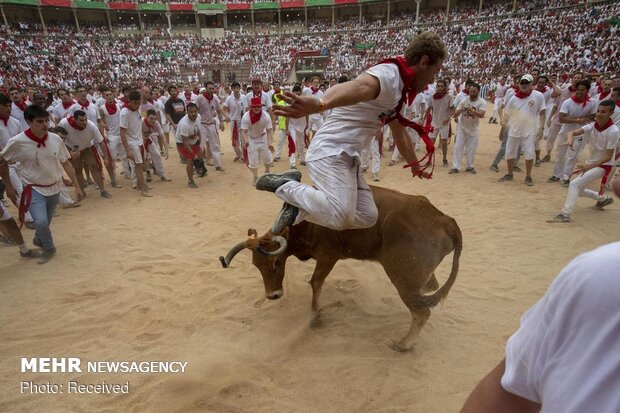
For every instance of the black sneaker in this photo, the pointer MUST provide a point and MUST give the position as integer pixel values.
(271, 182)
(453, 171)
(286, 217)
(607, 201)
(37, 243)
(506, 177)
(494, 168)
(528, 181)
(566, 182)
(46, 256)
(546, 158)
(445, 162)
(105, 194)
(559, 219)
(553, 179)
(471, 170)
(30, 254)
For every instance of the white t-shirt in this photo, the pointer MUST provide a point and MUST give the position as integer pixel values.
(576, 110)
(459, 98)
(192, 97)
(83, 139)
(18, 114)
(258, 129)
(112, 122)
(236, 107)
(318, 94)
(264, 98)
(615, 117)
(441, 110)
(208, 109)
(60, 111)
(131, 120)
(159, 108)
(566, 354)
(189, 129)
(351, 128)
(38, 166)
(601, 142)
(8, 130)
(470, 124)
(500, 91)
(524, 114)
(91, 110)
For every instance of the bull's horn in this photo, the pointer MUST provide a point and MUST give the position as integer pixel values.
(280, 250)
(231, 254)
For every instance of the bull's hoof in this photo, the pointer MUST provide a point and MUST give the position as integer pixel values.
(399, 347)
(316, 319)
(223, 261)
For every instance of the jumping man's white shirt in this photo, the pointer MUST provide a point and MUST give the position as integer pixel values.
(340, 197)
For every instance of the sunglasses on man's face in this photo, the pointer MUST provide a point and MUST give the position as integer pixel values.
(524, 82)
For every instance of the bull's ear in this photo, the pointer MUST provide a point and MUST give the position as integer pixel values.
(252, 233)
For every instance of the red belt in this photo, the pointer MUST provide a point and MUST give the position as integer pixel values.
(26, 198)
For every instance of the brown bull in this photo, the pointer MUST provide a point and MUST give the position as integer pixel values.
(410, 239)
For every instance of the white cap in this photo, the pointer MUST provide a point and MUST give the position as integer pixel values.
(527, 77)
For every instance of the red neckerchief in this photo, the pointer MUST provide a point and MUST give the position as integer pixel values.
(188, 95)
(255, 117)
(207, 97)
(544, 90)
(71, 121)
(21, 105)
(604, 95)
(407, 74)
(85, 106)
(605, 126)
(5, 120)
(583, 101)
(40, 141)
(571, 89)
(439, 96)
(67, 105)
(111, 108)
(126, 105)
(124, 99)
(618, 104)
(519, 93)
(313, 89)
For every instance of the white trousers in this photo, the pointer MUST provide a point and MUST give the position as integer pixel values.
(340, 198)
(415, 141)
(117, 150)
(552, 135)
(158, 162)
(282, 139)
(498, 102)
(300, 146)
(578, 188)
(209, 136)
(372, 152)
(257, 151)
(467, 144)
(572, 156)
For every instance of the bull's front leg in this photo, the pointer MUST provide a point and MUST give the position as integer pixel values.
(321, 271)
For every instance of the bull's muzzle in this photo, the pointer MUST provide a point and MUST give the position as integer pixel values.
(274, 295)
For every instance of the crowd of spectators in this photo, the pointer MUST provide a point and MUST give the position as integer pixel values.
(555, 40)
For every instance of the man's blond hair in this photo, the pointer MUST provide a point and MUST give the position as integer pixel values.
(425, 44)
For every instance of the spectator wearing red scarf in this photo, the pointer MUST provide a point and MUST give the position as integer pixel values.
(524, 114)
(602, 136)
(43, 158)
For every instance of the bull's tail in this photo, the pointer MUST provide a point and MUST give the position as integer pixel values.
(429, 301)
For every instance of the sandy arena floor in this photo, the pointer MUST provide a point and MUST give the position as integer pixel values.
(139, 279)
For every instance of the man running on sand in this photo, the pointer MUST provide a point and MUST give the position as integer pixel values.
(340, 198)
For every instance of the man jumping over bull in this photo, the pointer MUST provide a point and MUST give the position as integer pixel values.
(340, 198)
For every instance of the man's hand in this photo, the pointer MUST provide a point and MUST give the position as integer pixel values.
(583, 121)
(298, 105)
(271, 149)
(130, 155)
(74, 154)
(222, 126)
(583, 168)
